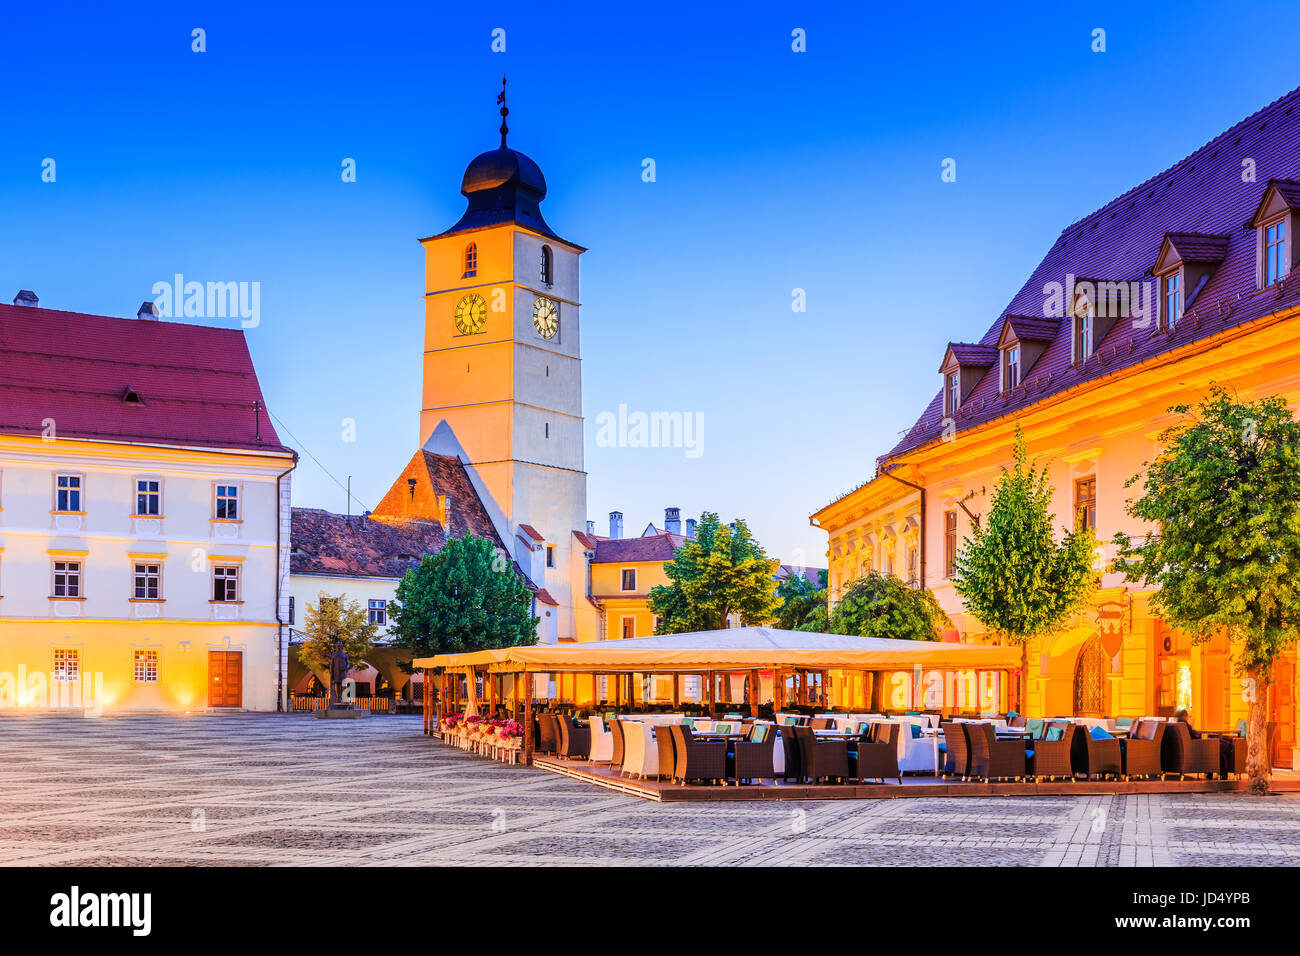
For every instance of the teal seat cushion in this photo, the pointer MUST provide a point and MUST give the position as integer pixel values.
(943, 746)
(1011, 714)
(916, 731)
(1035, 725)
(911, 713)
(1055, 733)
(688, 722)
(1123, 721)
(760, 734)
(1029, 754)
(1100, 733)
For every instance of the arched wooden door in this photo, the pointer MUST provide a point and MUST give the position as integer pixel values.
(1091, 689)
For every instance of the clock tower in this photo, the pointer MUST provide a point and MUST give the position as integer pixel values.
(503, 371)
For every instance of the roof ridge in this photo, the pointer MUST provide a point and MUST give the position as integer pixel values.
(122, 318)
(1192, 155)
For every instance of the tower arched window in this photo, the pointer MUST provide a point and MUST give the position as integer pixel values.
(548, 264)
(471, 261)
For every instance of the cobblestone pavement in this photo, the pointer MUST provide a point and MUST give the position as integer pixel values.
(271, 789)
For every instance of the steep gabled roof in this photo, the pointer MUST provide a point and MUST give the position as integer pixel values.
(1203, 194)
(196, 385)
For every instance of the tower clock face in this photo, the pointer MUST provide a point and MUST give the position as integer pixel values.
(546, 317)
(471, 313)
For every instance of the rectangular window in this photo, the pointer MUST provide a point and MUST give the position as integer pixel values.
(954, 392)
(225, 583)
(1085, 503)
(1083, 338)
(146, 667)
(1173, 300)
(67, 665)
(550, 556)
(67, 579)
(1013, 367)
(148, 496)
(67, 495)
(889, 564)
(290, 610)
(227, 502)
(629, 576)
(949, 543)
(148, 582)
(629, 623)
(911, 564)
(377, 613)
(1274, 252)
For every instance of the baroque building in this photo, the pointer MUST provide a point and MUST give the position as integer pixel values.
(1184, 280)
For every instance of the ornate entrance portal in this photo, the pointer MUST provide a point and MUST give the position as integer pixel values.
(1091, 689)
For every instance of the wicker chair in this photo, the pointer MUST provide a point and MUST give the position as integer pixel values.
(1017, 721)
(956, 761)
(575, 742)
(1232, 755)
(667, 751)
(1096, 757)
(616, 751)
(1140, 751)
(697, 759)
(754, 757)
(1052, 757)
(1182, 754)
(875, 754)
(990, 757)
(548, 734)
(822, 759)
(822, 723)
(790, 748)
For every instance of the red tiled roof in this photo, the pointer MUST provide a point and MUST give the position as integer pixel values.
(406, 522)
(1031, 329)
(971, 356)
(651, 547)
(544, 597)
(1194, 247)
(1203, 194)
(531, 532)
(197, 385)
(588, 541)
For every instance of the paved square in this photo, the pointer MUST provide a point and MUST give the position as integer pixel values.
(262, 790)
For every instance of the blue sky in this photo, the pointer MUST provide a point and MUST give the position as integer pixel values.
(776, 170)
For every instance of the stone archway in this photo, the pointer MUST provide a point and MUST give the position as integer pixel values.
(1091, 687)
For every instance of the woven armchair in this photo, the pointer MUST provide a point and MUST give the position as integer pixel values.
(1052, 757)
(956, 761)
(575, 742)
(822, 723)
(1182, 754)
(875, 754)
(1140, 751)
(663, 738)
(822, 759)
(548, 734)
(697, 759)
(754, 758)
(616, 750)
(1096, 757)
(790, 748)
(990, 757)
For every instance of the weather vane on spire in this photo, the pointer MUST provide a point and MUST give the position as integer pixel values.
(501, 98)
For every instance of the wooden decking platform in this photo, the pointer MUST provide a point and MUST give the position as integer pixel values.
(602, 775)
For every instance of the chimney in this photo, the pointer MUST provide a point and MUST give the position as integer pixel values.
(673, 520)
(26, 297)
(616, 524)
(147, 310)
(690, 527)
(591, 527)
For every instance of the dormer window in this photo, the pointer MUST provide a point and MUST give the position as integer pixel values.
(471, 261)
(1171, 299)
(1010, 367)
(1274, 252)
(952, 394)
(1082, 336)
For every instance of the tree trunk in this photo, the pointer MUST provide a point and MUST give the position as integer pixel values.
(1257, 756)
(1022, 691)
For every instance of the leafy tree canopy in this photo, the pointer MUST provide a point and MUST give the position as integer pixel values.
(880, 605)
(800, 600)
(333, 621)
(467, 597)
(721, 571)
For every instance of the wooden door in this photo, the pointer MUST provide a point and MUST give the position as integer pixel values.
(1284, 710)
(225, 678)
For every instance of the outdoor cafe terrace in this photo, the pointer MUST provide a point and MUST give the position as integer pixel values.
(758, 712)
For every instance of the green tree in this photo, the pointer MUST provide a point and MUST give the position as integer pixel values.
(719, 572)
(1012, 574)
(800, 599)
(880, 605)
(335, 623)
(467, 597)
(1224, 497)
